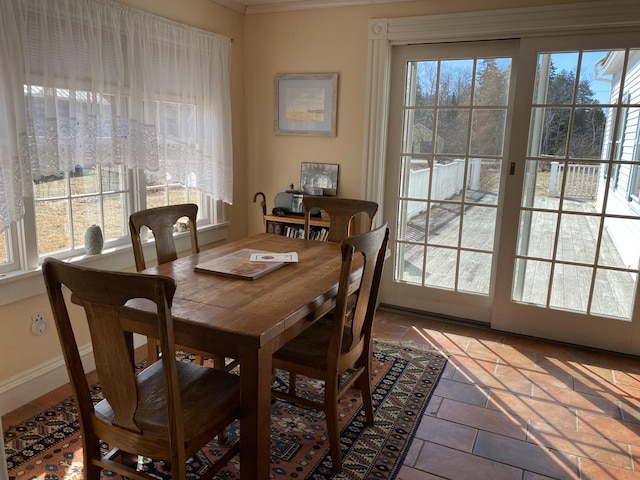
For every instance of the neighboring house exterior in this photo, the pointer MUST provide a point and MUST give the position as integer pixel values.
(624, 187)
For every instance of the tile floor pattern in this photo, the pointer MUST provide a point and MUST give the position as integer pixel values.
(509, 407)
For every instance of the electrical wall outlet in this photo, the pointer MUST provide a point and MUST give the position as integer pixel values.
(38, 323)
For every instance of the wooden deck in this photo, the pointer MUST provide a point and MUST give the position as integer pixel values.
(571, 283)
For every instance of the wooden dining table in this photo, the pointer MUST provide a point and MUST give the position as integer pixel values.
(250, 319)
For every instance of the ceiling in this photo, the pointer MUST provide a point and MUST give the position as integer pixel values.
(249, 7)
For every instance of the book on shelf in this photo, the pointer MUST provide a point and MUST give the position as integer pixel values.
(320, 234)
(295, 230)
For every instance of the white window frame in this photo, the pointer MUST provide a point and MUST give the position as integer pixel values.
(21, 278)
(13, 260)
(129, 192)
(634, 184)
(26, 282)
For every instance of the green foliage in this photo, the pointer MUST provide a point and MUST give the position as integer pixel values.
(454, 90)
(586, 126)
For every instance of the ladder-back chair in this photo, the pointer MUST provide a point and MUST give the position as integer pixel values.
(168, 411)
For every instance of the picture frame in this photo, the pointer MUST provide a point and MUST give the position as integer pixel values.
(319, 178)
(305, 104)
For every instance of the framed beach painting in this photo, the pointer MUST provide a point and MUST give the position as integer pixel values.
(305, 104)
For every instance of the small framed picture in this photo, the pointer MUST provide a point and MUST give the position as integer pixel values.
(319, 178)
(305, 104)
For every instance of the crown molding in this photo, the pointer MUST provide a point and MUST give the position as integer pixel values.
(538, 11)
(232, 5)
(295, 5)
(507, 23)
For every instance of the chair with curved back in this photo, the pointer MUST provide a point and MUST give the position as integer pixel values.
(161, 221)
(341, 213)
(339, 352)
(168, 411)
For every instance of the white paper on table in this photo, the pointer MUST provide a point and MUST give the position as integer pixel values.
(274, 257)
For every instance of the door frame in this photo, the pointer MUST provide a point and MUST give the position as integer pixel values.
(613, 16)
(456, 303)
(580, 328)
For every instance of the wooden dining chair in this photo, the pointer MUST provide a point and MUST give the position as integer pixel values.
(168, 411)
(161, 221)
(341, 213)
(339, 351)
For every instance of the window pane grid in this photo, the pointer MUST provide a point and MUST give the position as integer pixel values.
(578, 183)
(66, 205)
(452, 148)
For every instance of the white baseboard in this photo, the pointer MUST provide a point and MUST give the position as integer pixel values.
(31, 384)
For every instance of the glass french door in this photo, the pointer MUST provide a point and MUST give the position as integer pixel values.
(450, 110)
(570, 269)
(513, 185)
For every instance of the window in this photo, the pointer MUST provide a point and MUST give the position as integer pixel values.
(634, 184)
(66, 204)
(4, 249)
(7, 262)
(114, 110)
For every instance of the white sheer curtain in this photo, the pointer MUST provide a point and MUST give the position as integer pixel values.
(15, 172)
(91, 82)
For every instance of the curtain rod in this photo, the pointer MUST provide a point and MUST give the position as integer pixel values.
(125, 8)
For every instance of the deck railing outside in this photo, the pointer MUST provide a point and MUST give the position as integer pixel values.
(581, 182)
(448, 180)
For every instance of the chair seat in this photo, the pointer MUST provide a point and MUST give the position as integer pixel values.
(203, 410)
(310, 347)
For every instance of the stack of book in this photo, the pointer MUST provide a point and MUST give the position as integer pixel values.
(319, 234)
(293, 231)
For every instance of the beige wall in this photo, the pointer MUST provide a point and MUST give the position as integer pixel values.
(320, 41)
(19, 349)
(325, 40)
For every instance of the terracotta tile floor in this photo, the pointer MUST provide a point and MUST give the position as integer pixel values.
(509, 407)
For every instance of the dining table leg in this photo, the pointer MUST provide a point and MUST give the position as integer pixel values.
(255, 415)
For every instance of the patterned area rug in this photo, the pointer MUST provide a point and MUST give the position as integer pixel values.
(48, 446)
